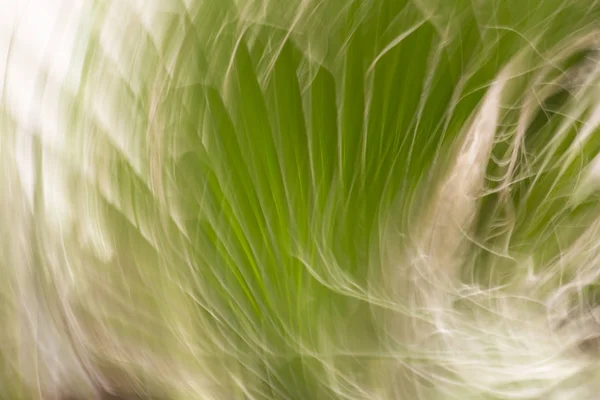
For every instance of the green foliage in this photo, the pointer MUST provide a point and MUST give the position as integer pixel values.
(241, 172)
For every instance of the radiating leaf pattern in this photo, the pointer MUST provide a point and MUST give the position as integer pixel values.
(316, 199)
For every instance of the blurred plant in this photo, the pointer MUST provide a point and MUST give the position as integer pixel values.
(316, 199)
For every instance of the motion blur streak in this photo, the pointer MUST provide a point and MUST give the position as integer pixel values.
(300, 199)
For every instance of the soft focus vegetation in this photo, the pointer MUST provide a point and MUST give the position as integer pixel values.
(303, 199)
